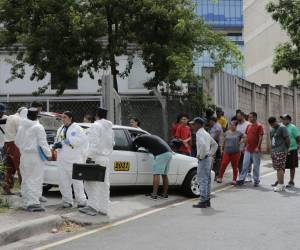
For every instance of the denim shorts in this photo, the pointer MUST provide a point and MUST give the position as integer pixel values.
(161, 163)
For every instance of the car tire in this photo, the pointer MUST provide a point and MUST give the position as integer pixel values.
(190, 184)
(46, 188)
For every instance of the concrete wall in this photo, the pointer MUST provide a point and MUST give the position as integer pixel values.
(261, 35)
(233, 93)
(133, 84)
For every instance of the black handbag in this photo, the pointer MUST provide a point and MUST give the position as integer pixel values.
(88, 172)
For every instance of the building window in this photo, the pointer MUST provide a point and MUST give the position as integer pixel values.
(72, 83)
(220, 14)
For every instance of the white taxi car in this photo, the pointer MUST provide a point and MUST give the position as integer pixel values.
(131, 167)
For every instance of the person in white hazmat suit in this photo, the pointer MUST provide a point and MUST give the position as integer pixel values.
(101, 142)
(32, 141)
(70, 142)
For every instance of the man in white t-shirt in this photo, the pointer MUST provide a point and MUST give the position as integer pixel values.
(241, 127)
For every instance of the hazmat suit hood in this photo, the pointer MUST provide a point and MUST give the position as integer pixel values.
(101, 138)
(106, 124)
(26, 123)
(107, 137)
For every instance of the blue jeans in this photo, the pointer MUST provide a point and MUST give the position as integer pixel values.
(248, 159)
(204, 178)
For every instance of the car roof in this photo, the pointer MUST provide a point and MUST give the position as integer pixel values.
(83, 124)
(50, 114)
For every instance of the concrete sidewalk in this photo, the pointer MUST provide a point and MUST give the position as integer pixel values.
(17, 224)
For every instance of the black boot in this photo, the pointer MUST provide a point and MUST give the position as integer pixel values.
(202, 204)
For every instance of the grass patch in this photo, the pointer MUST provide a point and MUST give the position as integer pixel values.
(4, 205)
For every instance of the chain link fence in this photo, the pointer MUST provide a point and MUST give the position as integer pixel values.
(149, 112)
(79, 105)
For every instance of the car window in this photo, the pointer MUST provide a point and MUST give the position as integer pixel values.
(121, 141)
(50, 122)
(135, 133)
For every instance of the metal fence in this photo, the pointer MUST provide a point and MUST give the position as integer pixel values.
(79, 105)
(151, 113)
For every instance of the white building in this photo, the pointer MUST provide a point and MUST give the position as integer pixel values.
(261, 35)
(85, 85)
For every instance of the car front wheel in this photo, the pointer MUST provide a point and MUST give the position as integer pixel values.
(190, 185)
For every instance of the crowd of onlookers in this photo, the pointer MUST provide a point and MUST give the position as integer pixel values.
(239, 142)
(213, 140)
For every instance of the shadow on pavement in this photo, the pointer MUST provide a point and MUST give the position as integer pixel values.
(290, 192)
(209, 211)
(122, 191)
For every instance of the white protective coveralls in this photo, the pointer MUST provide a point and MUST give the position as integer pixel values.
(72, 151)
(30, 137)
(101, 142)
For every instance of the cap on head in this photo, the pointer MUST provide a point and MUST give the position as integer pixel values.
(2, 108)
(219, 110)
(198, 120)
(32, 114)
(286, 117)
(101, 112)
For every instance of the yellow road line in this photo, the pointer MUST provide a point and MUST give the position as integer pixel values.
(118, 223)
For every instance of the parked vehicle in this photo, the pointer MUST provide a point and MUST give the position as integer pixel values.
(132, 167)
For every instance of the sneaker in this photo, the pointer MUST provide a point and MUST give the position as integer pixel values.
(152, 196)
(43, 199)
(163, 196)
(88, 210)
(275, 184)
(81, 204)
(291, 184)
(279, 188)
(240, 183)
(248, 178)
(67, 205)
(256, 184)
(35, 208)
(233, 183)
(219, 180)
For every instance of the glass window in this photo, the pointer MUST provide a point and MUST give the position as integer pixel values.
(121, 141)
(223, 13)
(134, 133)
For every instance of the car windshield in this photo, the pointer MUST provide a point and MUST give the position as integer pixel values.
(50, 122)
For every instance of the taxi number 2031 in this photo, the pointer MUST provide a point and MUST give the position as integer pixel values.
(121, 165)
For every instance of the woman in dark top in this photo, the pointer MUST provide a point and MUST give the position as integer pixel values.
(231, 151)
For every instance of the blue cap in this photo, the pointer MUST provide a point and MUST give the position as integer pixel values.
(199, 120)
(2, 108)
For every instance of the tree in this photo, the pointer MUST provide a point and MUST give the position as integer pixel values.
(171, 37)
(52, 37)
(70, 37)
(287, 55)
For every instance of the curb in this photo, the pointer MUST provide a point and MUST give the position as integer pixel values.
(27, 229)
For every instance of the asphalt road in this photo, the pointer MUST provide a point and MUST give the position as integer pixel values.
(240, 218)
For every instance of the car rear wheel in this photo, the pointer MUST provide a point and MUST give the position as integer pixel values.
(190, 185)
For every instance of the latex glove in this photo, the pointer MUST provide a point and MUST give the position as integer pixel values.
(57, 145)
